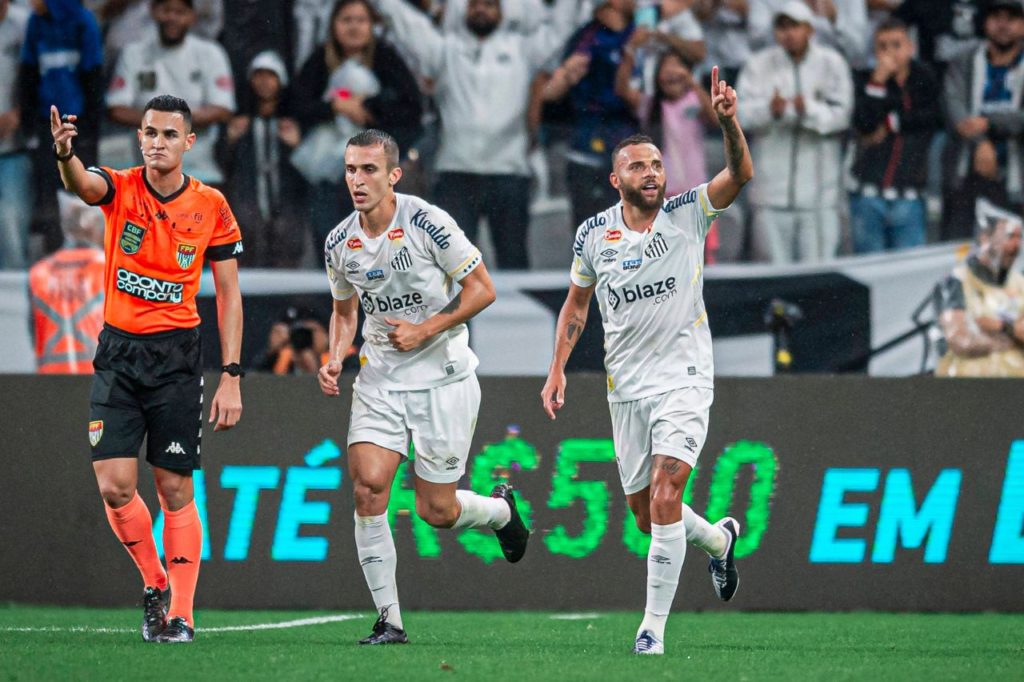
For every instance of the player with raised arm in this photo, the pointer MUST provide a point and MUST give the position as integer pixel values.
(645, 258)
(399, 258)
(160, 226)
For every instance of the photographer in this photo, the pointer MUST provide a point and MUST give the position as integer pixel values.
(982, 304)
(296, 344)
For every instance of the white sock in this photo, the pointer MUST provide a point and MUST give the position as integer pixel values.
(712, 539)
(376, 549)
(479, 511)
(664, 562)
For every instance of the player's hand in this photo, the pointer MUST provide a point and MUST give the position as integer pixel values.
(552, 396)
(328, 378)
(723, 97)
(63, 131)
(226, 408)
(406, 335)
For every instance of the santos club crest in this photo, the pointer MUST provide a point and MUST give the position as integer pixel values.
(95, 432)
(185, 255)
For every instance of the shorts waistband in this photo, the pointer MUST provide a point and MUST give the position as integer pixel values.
(155, 336)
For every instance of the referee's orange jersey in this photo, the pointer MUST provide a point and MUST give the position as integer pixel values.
(155, 246)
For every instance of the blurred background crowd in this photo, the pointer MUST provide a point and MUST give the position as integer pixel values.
(875, 124)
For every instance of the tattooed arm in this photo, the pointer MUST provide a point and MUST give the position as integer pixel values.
(477, 293)
(739, 167)
(571, 321)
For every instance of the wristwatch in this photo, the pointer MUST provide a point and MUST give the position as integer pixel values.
(66, 157)
(233, 369)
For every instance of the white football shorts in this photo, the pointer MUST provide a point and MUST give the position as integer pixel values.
(440, 420)
(674, 424)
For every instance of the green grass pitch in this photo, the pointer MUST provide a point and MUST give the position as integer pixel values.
(48, 643)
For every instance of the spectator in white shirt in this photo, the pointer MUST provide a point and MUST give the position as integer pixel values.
(174, 62)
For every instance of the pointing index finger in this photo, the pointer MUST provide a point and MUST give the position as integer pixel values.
(714, 79)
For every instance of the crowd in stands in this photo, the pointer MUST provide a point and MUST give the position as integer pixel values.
(874, 124)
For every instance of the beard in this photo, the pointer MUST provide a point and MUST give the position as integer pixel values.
(481, 28)
(635, 196)
(170, 41)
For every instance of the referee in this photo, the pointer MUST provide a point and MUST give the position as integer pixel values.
(160, 226)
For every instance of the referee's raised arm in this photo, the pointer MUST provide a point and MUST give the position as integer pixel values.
(89, 187)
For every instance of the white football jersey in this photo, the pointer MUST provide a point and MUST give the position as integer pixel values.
(650, 292)
(407, 273)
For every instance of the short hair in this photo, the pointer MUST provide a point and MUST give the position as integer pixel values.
(187, 2)
(629, 142)
(173, 105)
(372, 137)
(892, 24)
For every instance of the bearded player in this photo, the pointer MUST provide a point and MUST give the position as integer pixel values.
(645, 258)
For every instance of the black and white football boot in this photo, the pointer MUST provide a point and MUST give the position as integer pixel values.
(513, 536)
(154, 612)
(724, 576)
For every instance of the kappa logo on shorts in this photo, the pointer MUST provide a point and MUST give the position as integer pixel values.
(131, 237)
(95, 432)
(186, 255)
(175, 449)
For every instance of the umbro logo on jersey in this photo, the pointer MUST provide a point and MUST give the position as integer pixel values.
(660, 291)
(354, 244)
(657, 248)
(175, 449)
(351, 266)
(375, 274)
(609, 253)
(402, 260)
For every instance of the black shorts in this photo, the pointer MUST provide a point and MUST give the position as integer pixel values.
(148, 385)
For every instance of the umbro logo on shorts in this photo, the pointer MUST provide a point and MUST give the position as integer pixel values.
(175, 448)
(452, 462)
(658, 559)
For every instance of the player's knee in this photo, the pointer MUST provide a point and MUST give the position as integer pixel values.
(643, 522)
(116, 494)
(436, 514)
(666, 501)
(369, 497)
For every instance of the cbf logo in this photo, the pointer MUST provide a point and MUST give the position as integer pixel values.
(657, 248)
(660, 291)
